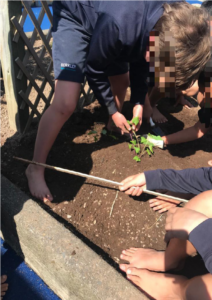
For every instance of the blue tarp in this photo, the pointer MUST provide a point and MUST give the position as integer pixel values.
(28, 25)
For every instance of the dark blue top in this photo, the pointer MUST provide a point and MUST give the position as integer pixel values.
(192, 181)
(119, 31)
(201, 238)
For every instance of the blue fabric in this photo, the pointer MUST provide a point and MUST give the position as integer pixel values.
(23, 282)
(201, 238)
(186, 181)
(118, 32)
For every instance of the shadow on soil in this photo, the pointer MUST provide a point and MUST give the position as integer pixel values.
(174, 125)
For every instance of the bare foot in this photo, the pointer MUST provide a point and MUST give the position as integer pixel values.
(182, 101)
(157, 116)
(158, 286)
(37, 184)
(147, 259)
(162, 205)
(4, 286)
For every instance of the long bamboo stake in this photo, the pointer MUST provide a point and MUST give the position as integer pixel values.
(95, 178)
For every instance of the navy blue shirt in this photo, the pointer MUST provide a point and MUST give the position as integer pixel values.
(119, 32)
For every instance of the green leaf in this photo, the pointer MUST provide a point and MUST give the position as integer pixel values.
(113, 136)
(129, 122)
(151, 148)
(149, 144)
(148, 152)
(143, 140)
(104, 131)
(137, 149)
(95, 138)
(92, 132)
(130, 146)
(133, 142)
(135, 121)
(136, 158)
(155, 137)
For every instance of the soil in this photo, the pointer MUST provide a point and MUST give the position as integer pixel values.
(84, 206)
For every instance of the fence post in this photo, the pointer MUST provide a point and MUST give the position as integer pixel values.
(9, 51)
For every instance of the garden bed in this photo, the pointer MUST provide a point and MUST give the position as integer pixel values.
(86, 205)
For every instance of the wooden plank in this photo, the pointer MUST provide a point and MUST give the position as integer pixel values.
(48, 12)
(31, 49)
(32, 41)
(37, 26)
(20, 64)
(22, 20)
(33, 107)
(9, 50)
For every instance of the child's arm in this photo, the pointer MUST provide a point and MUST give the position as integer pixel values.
(186, 135)
(185, 181)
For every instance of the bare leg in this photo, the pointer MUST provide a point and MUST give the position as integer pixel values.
(64, 103)
(173, 287)
(4, 286)
(177, 249)
(119, 86)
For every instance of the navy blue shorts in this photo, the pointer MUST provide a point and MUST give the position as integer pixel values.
(70, 48)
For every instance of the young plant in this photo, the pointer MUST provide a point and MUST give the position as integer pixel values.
(139, 144)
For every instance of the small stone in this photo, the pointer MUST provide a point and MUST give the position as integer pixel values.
(68, 216)
(94, 222)
(84, 205)
(66, 202)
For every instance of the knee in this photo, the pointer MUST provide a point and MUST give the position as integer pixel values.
(65, 105)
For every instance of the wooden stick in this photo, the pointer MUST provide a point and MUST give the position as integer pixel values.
(113, 204)
(95, 178)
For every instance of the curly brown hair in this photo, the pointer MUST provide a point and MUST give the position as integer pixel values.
(189, 27)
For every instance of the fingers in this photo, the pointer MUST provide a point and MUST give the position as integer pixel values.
(136, 191)
(126, 125)
(210, 163)
(3, 278)
(128, 183)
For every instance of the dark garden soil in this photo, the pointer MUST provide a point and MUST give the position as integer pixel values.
(84, 206)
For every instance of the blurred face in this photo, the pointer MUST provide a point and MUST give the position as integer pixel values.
(162, 64)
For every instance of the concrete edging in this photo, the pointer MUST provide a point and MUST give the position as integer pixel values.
(68, 266)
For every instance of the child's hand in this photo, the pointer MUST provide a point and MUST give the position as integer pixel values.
(134, 185)
(121, 122)
(137, 112)
(181, 221)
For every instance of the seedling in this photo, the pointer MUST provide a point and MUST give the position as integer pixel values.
(140, 144)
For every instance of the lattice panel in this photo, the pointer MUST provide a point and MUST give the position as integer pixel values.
(37, 64)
